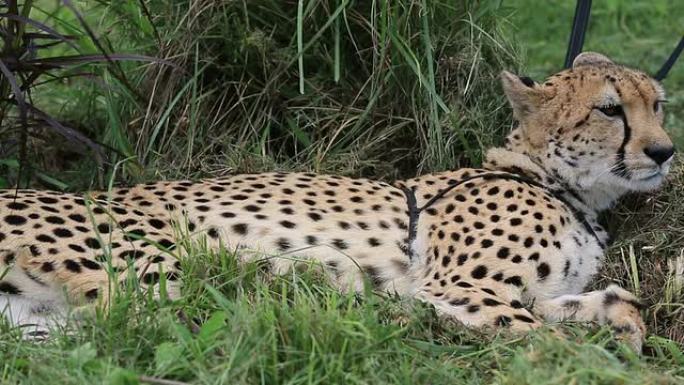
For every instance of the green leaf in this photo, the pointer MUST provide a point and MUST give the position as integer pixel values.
(167, 354)
(121, 376)
(213, 326)
(83, 355)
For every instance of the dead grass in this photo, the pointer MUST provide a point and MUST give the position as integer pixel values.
(648, 254)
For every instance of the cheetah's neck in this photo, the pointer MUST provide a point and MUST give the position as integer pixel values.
(590, 201)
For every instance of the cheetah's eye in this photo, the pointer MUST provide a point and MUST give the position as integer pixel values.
(611, 110)
(658, 105)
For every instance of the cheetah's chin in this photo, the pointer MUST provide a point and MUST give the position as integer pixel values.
(649, 182)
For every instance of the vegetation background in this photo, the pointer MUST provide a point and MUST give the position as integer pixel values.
(361, 88)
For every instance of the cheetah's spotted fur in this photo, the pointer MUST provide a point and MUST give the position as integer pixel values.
(490, 252)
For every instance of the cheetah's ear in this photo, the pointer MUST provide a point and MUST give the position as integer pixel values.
(523, 93)
(590, 58)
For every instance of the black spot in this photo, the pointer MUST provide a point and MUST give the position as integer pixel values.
(213, 233)
(610, 299)
(77, 248)
(462, 258)
(459, 301)
(16, 206)
(311, 240)
(93, 243)
(15, 220)
(479, 272)
(473, 308)
(340, 244)
(151, 278)
(503, 320)
(252, 208)
(54, 220)
(523, 318)
(47, 267)
(72, 265)
(90, 264)
(77, 218)
(374, 242)
(288, 224)
(446, 259)
(374, 275)
(45, 238)
(283, 244)
(490, 302)
(8, 288)
(127, 222)
(131, 254)
(514, 280)
(104, 228)
(529, 241)
(503, 253)
(527, 81)
(63, 233)
(47, 200)
(543, 271)
(156, 223)
(493, 191)
(240, 228)
(91, 294)
(488, 291)
(167, 244)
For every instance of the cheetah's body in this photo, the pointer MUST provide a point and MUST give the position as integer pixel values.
(483, 251)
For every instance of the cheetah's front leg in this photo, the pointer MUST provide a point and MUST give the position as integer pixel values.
(477, 305)
(612, 306)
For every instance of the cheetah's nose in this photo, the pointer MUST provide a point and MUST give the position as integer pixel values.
(659, 154)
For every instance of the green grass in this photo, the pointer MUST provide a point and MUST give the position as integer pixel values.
(330, 86)
(237, 324)
(372, 105)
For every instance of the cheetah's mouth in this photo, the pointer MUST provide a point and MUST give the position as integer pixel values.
(653, 176)
(649, 178)
(650, 174)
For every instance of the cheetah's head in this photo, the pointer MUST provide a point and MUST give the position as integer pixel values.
(596, 126)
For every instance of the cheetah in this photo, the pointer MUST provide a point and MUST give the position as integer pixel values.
(510, 245)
